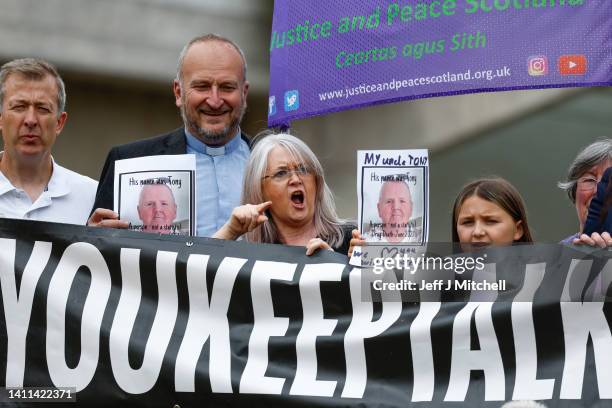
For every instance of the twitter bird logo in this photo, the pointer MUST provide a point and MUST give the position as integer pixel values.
(292, 100)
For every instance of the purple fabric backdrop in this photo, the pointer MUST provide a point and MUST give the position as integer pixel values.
(327, 56)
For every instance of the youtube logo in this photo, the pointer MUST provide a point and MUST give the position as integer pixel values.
(572, 65)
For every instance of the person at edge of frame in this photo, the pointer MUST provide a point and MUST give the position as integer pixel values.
(32, 115)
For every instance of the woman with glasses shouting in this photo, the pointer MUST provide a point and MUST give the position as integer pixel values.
(293, 204)
(583, 175)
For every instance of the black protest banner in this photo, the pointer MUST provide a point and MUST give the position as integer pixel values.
(138, 320)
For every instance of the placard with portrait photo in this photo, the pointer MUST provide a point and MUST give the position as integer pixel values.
(393, 196)
(156, 194)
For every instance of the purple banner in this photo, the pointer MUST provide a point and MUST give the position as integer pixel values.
(328, 56)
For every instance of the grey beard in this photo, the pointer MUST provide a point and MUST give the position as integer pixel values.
(213, 138)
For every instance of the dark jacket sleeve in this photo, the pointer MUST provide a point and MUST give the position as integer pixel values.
(105, 193)
(167, 143)
(594, 223)
(347, 230)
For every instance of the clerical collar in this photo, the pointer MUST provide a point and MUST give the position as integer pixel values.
(200, 147)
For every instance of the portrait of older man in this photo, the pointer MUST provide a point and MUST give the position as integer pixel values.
(157, 209)
(394, 208)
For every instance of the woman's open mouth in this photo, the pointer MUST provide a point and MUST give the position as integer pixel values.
(297, 198)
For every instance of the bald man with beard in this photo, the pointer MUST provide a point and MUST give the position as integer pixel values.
(210, 91)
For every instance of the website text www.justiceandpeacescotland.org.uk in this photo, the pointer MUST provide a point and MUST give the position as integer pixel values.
(398, 85)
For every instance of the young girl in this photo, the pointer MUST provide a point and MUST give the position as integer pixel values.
(489, 212)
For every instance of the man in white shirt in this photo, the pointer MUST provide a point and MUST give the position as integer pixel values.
(32, 185)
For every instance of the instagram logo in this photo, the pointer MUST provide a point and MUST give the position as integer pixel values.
(537, 65)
